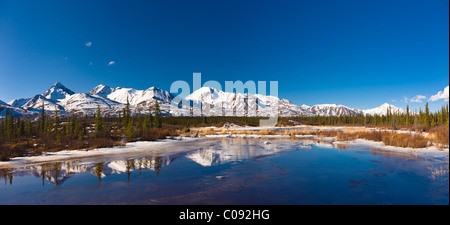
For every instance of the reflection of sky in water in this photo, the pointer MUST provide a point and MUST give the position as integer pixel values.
(235, 171)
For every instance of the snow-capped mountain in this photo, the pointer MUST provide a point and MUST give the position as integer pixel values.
(85, 103)
(134, 97)
(137, 97)
(383, 109)
(57, 91)
(333, 110)
(35, 103)
(102, 90)
(205, 101)
(19, 102)
(16, 112)
(218, 103)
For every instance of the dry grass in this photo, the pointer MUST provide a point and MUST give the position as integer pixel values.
(210, 131)
(101, 143)
(440, 135)
(155, 134)
(405, 140)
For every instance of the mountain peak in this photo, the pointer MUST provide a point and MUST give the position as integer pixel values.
(101, 90)
(206, 90)
(57, 91)
(382, 110)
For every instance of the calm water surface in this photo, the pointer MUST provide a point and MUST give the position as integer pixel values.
(235, 171)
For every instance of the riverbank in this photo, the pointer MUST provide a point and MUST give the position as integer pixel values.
(306, 136)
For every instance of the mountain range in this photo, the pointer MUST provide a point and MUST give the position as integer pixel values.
(206, 101)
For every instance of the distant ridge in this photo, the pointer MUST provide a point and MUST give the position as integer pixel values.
(206, 101)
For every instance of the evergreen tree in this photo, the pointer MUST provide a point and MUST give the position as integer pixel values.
(10, 125)
(427, 115)
(28, 128)
(126, 114)
(139, 123)
(43, 119)
(149, 119)
(99, 127)
(407, 115)
(130, 128)
(56, 122)
(157, 115)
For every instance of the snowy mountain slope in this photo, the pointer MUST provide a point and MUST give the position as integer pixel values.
(217, 103)
(35, 103)
(205, 101)
(333, 110)
(19, 102)
(16, 112)
(3, 103)
(136, 97)
(57, 91)
(383, 109)
(141, 98)
(87, 104)
(102, 90)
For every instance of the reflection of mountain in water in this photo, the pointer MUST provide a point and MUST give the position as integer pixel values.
(226, 150)
(237, 149)
(58, 172)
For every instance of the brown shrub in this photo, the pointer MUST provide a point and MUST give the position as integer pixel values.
(155, 134)
(101, 143)
(346, 136)
(75, 144)
(8, 152)
(373, 135)
(404, 140)
(439, 134)
(327, 133)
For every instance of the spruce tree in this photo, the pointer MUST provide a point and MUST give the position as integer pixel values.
(43, 119)
(157, 115)
(130, 128)
(28, 128)
(56, 122)
(407, 115)
(427, 115)
(99, 127)
(10, 125)
(126, 114)
(139, 124)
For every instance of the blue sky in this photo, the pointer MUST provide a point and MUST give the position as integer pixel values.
(356, 53)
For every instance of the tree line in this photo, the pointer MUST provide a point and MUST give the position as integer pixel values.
(50, 132)
(422, 120)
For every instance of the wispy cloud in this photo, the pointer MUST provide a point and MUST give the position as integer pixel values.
(440, 95)
(404, 99)
(418, 98)
(111, 63)
(88, 44)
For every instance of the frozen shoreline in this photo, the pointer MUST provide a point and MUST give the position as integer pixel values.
(129, 148)
(180, 144)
